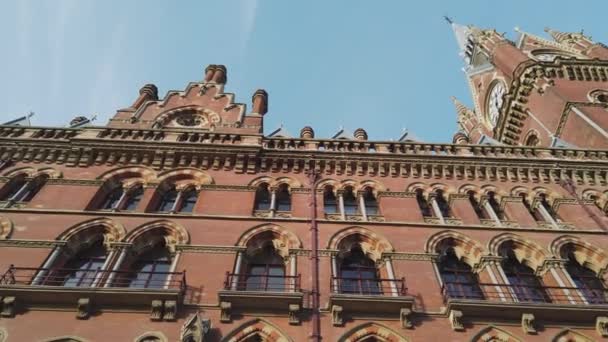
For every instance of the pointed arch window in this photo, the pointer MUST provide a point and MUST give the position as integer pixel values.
(20, 189)
(423, 204)
(330, 202)
(442, 203)
(174, 201)
(358, 273)
(151, 268)
(113, 198)
(133, 197)
(370, 202)
(83, 269)
(265, 270)
(283, 198)
(168, 200)
(526, 286)
(188, 200)
(262, 197)
(458, 278)
(535, 213)
(590, 286)
(350, 201)
(121, 199)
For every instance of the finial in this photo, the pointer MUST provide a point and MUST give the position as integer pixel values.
(448, 19)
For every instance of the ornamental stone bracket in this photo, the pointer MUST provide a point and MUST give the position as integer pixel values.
(195, 329)
(455, 318)
(9, 306)
(294, 314)
(225, 312)
(83, 308)
(163, 310)
(405, 316)
(528, 322)
(601, 326)
(337, 315)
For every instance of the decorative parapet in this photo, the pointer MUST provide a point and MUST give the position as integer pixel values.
(448, 221)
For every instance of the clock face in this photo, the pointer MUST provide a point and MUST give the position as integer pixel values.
(495, 103)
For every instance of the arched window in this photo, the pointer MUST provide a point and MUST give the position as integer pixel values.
(358, 273)
(168, 200)
(113, 198)
(458, 278)
(371, 204)
(526, 286)
(532, 140)
(350, 201)
(151, 268)
(549, 210)
(265, 270)
(188, 200)
(330, 203)
(173, 201)
(442, 203)
(84, 268)
(133, 197)
(476, 206)
(119, 199)
(19, 189)
(590, 286)
(537, 216)
(283, 198)
(262, 197)
(495, 206)
(423, 204)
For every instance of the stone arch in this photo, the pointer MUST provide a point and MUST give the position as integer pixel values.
(494, 334)
(526, 251)
(150, 233)
(275, 182)
(372, 244)
(485, 189)
(418, 185)
(282, 239)
(464, 189)
(378, 331)
(466, 249)
(569, 335)
(586, 254)
(260, 327)
(260, 180)
(6, 228)
(33, 172)
(147, 175)
(348, 183)
(151, 336)
(185, 177)
(519, 190)
(440, 186)
(532, 138)
(550, 195)
(82, 234)
(375, 186)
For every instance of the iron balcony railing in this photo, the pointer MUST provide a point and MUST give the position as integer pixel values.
(524, 293)
(361, 286)
(78, 278)
(262, 282)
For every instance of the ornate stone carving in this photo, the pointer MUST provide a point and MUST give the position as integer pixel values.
(225, 312)
(336, 315)
(294, 314)
(194, 329)
(9, 306)
(83, 308)
(170, 310)
(405, 318)
(601, 326)
(156, 313)
(456, 320)
(527, 323)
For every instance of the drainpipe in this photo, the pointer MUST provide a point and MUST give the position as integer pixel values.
(315, 336)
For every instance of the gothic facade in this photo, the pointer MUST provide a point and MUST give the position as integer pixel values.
(180, 220)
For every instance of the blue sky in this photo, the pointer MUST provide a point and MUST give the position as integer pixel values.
(379, 65)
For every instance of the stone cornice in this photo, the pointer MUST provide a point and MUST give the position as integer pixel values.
(23, 243)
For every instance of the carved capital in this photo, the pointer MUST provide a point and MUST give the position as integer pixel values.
(336, 315)
(170, 310)
(156, 310)
(601, 326)
(9, 306)
(83, 308)
(527, 323)
(294, 314)
(194, 329)
(405, 316)
(225, 312)
(456, 320)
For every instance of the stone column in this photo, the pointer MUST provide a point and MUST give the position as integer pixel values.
(47, 264)
(436, 210)
(362, 207)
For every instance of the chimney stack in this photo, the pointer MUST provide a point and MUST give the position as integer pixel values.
(360, 134)
(148, 92)
(307, 133)
(259, 102)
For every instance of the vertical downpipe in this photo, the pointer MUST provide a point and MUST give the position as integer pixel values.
(314, 258)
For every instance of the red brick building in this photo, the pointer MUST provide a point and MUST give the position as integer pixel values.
(181, 221)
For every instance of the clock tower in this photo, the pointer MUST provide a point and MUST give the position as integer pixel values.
(533, 91)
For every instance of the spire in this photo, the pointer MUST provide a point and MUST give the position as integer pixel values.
(567, 37)
(462, 34)
(461, 109)
(559, 37)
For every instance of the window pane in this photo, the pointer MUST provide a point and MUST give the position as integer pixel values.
(133, 198)
(188, 201)
(167, 201)
(112, 199)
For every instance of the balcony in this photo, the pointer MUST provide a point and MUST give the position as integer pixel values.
(261, 293)
(378, 298)
(548, 303)
(92, 289)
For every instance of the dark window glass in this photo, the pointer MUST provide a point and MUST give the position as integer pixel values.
(526, 286)
(590, 286)
(262, 197)
(358, 274)
(167, 200)
(151, 269)
(350, 202)
(475, 204)
(537, 216)
(547, 206)
(112, 199)
(265, 271)
(495, 206)
(442, 203)
(459, 281)
(31, 189)
(423, 204)
(371, 204)
(133, 198)
(283, 198)
(188, 201)
(13, 187)
(330, 203)
(82, 270)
